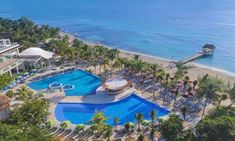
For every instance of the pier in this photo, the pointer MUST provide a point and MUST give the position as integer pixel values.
(192, 58)
(207, 50)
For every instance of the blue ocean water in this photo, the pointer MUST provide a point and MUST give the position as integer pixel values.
(84, 83)
(125, 110)
(164, 28)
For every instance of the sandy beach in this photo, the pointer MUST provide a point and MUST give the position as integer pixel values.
(195, 70)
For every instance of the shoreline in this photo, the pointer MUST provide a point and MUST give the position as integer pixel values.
(196, 70)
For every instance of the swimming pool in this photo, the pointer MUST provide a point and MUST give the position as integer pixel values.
(124, 109)
(84, 82)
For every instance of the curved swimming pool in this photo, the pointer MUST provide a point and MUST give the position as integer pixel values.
(84, 82)
(125, 110)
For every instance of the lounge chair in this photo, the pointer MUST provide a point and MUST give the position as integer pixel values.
(118, 139)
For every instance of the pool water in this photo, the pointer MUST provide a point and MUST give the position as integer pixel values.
(84, 82)
(125, 110)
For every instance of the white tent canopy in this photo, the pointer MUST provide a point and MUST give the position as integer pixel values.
(35, 51)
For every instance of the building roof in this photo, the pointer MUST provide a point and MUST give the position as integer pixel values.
(4, 102)
(6, 45)
(35, 51)
(210, 46)
(117, 83)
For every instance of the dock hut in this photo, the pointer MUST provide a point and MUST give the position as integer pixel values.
(208, 49)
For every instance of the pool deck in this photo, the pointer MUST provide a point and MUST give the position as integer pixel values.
(143, 89)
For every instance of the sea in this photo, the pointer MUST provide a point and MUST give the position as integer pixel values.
(170, 29)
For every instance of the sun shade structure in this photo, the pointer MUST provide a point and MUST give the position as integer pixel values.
(116, 85)
(4, 102)
(35, 51)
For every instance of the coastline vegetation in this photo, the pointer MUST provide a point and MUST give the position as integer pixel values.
(24, 121)
(5, 80)
(26, 32)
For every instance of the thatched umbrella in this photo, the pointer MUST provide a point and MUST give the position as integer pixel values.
(4, 102)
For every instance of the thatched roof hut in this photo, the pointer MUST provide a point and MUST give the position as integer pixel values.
(4, 102)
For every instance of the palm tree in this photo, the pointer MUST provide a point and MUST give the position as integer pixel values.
(117, 63)
(158, 77)
(185, 83)
(108, 132)
(80, 127)
(152, 134)
(176, 92)
(153, 116)
(95, 63)
(181, 70)
(140, 137)
(194, 84)
(221, 98)
(112, 55)
(166, 86)
(115, 121)
(208, 90)
(144, 70)
(139, 117)
(136, 57)
(128, 129)
(232, 94)
(105, 63)
(24, 93)
(189, 90)
(98, 122)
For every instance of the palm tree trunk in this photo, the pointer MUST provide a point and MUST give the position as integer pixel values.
(152, 123)
(164, 96)
(111, 71)
(154, 90)
(204, 108)
(174, 103)
(100, 69)
(95, 69)
(138, 127)
(219, 102)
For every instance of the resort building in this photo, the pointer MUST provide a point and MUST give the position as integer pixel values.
(35, 57)
(8, 54)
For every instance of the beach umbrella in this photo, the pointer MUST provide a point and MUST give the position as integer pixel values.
(65, 124)
(80, 127)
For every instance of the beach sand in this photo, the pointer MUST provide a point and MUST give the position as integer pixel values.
(195, 70)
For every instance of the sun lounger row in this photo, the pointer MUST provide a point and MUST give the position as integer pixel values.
(52, 74)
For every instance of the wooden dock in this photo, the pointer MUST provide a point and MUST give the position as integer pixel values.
(192, 58)
(207, 50)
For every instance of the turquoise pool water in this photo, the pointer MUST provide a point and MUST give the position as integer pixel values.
(84, 83)
(125, 110)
